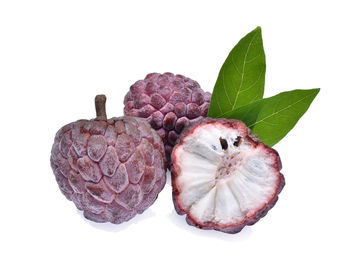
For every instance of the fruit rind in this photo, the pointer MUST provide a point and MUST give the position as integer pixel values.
(168, 102)
(101, 165)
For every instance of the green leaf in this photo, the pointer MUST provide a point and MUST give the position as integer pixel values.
(272, 118)
(242, 77)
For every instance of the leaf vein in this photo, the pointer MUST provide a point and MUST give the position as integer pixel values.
(242, 76)
(276, 112)
(254, 58)
(236, 67)
(225, 90)
(251, 86)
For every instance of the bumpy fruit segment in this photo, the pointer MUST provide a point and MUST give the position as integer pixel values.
(223, 177)
(111, 169)
(169, 103)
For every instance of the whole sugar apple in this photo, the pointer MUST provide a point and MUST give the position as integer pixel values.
(111, 169)
(223, 176)
(169, 103)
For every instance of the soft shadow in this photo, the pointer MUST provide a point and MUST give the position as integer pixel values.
(109, 227)
(180, 221)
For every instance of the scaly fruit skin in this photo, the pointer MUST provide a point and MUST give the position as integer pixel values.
(252, 142)
(169, 103)
(111, 169)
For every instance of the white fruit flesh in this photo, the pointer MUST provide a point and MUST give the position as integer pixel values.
(219, 184)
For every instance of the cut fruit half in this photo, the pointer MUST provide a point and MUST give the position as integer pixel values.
(223, 177)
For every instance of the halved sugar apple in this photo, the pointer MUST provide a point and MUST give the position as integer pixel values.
(223, 176)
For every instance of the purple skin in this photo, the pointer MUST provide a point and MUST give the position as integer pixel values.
(169, 103)
(234, 228)
(111, 169)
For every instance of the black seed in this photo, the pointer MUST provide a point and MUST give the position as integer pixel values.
(223, 143)
(238, 141)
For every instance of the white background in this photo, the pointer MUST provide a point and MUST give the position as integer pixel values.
(56, 55)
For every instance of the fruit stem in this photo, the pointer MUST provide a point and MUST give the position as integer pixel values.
(100, 105)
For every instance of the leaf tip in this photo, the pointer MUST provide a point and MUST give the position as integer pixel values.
(257, 29)
(315, 91)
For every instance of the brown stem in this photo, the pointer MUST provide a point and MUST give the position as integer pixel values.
(100, 105)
